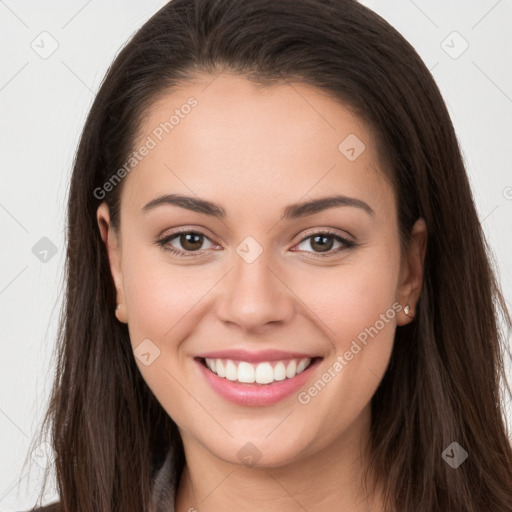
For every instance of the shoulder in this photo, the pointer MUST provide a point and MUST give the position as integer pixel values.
(52, 507)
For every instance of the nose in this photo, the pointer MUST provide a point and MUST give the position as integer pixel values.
(255, 295)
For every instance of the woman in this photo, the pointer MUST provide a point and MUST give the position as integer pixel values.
(278, 290)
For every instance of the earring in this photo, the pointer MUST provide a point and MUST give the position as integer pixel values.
(407, 311)
(118, 312)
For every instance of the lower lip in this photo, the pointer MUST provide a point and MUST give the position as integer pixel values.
(256, 395)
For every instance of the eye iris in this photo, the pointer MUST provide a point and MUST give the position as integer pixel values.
(191, 241)
(322, 240)
(188, 240)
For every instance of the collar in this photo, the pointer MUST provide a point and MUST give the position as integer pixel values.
(163, 491)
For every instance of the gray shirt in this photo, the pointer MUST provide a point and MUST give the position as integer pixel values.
(163, 493)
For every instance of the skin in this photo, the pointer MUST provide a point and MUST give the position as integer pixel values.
(254, 151)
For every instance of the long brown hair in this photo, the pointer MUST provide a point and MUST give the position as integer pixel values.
(443, 383)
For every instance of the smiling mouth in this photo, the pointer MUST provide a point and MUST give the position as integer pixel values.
(263, 373)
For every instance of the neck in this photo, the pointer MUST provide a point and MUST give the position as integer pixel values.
(329, 479)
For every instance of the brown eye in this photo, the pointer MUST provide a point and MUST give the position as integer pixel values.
(186, 243)
(322, 244)
(191, 241)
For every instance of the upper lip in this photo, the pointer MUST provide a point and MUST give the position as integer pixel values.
(254, 357)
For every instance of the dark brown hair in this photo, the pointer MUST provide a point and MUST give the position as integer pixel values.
(109, 432)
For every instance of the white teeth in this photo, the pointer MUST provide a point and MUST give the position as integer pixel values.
(291, 369)
(245, 372)
(264, 373)
(261, 373)
(219, 368)
(301, 366)
(279, 371)
(231, 371)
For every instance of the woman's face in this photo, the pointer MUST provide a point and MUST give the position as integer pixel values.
(262, 281)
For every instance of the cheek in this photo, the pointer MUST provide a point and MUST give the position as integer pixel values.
(159, 294)
(355, 303)
(352, 297)
(160, 299)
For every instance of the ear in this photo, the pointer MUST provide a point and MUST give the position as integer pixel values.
(111, 239)
(411, 272)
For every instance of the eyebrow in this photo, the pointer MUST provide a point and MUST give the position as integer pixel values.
(292, 211)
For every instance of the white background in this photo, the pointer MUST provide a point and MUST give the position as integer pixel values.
(43, 107)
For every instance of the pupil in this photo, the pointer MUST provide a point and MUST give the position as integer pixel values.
(189, 239)
(323, 239)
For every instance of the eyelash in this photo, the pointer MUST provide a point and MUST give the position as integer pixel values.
(348, 244)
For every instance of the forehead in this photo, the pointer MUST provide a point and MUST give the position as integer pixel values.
(224, 138)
